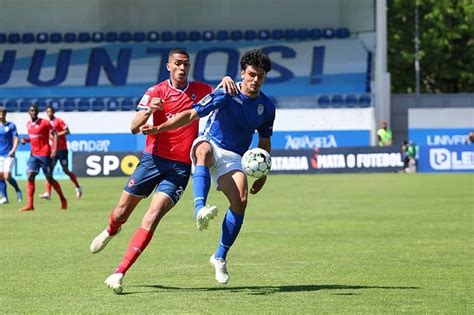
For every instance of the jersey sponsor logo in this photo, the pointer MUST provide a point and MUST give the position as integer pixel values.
(144, 99)
(205, 100)
(6, 128)
(260, 109)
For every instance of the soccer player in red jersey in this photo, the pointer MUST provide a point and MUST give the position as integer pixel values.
(165, 166)
(39, 132)
(62, 130)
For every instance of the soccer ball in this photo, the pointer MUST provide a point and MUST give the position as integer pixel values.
(256, 162)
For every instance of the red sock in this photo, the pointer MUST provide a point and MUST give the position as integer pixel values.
(57, 188)
(73, 178)
(114, 225)
(48, 188)
(30, 192)
(137, 245)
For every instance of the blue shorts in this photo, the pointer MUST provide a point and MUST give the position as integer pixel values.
(35, 162)
(159, 174)
(61, 156)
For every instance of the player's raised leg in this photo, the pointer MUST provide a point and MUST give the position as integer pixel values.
(234, 185)
(118, 217)
(201, 185)
(159, 206)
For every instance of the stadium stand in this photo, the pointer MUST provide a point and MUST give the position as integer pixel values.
(127, 104)
(139, 37)
(14, 38)
(111, 37)
(125, 37)
(69, 105)
(27, 38)
(11, 106)
(55, 38)
(70, 37)
(42, 38)
(324, 101)
(83, 105)
(365, 100)
(98, 105)
(180, 36)
(112, 104)
(152, 36)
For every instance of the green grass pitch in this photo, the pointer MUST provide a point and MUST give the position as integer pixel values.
(381, 243)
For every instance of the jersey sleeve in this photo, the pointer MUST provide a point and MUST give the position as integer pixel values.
(211, 102)
(14, 131)
(266, 129)
(146, 98)
(62, 125)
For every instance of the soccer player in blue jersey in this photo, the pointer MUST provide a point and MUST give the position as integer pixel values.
(218, 152)
(9, 141)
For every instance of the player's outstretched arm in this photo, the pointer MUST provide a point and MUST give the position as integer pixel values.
(179, 120)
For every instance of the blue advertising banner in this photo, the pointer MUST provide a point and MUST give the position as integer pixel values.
(436, 137)
(20, 170)
(446, 159)
(105, 142)
(300, 67)
(300, 140)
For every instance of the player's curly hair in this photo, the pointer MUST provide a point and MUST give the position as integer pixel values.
(257, 59)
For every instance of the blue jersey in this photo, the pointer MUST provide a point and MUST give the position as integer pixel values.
(7, 133)
(234, 119)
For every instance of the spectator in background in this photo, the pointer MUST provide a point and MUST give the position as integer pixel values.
(62, 130)
(470, 138)
(384, 135)
(410, 156)
(39, 133)
(8, 144)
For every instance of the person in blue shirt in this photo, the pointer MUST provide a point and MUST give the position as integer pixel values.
(9, 141)
(218, 152)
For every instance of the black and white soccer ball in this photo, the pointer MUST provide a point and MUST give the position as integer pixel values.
(256, 162)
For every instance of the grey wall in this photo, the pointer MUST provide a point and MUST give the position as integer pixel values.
(402, 102)
(145, 15)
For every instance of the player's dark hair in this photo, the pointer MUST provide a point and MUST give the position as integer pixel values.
(179, 51)
(33, 105)
(257, 59)
(50, 107)
(3, 109)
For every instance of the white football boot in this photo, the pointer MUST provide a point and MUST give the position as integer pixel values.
(115, 282)
(78, 192)
(101, 240)
(3, 201)
(219, 265)
(45, 196)
(204, 215)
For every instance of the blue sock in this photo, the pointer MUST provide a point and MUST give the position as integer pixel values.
(230, 230)
(201, 186)
(13, 182)
(3, 188)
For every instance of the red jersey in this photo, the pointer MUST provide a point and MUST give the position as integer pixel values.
(58, 126)
(39, 132)
(173, 144)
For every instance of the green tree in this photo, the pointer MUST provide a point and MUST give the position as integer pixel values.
(446, 45)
